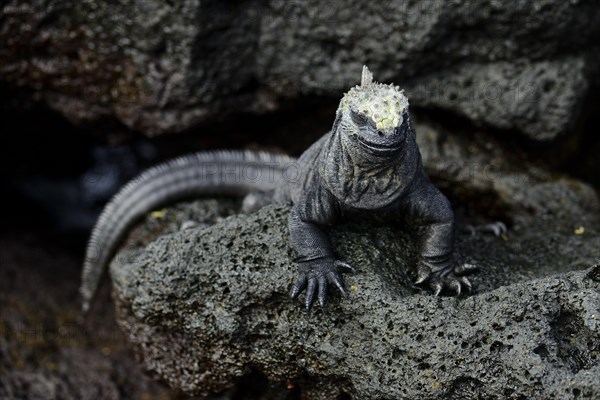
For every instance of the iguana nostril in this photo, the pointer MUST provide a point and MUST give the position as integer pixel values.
(380, 133)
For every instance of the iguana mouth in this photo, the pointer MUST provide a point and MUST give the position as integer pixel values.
(379, 148)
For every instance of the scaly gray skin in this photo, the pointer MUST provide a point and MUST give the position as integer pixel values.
(368, 164)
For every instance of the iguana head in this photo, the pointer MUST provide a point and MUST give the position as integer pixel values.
(374, 117)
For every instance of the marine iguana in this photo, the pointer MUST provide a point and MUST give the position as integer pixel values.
(368, 164)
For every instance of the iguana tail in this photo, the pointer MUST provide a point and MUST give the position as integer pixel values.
(194, 175)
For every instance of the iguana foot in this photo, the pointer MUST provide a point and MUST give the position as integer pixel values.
(316, 275)
(448, 277)
(497, 228)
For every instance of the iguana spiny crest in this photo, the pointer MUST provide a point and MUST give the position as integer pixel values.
(384, 104)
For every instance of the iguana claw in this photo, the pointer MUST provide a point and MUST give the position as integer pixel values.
(497, 228)
(449, 279)
(316, 276)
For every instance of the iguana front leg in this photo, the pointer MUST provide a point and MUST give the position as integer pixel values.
(317, 266)
(429, 212)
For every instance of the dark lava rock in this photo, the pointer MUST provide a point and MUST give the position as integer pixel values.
(155, 66)
(517, 65)
(164, 66)
(208, 307)
(501, 182)
(542, 99)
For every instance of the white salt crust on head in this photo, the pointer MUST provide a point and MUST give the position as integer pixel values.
(384, 104)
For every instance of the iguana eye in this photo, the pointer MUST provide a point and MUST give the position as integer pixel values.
(358, 118)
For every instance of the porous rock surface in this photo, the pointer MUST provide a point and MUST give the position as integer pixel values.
(497, 180)
(530, 97)
(162, 67)
(207, 306)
